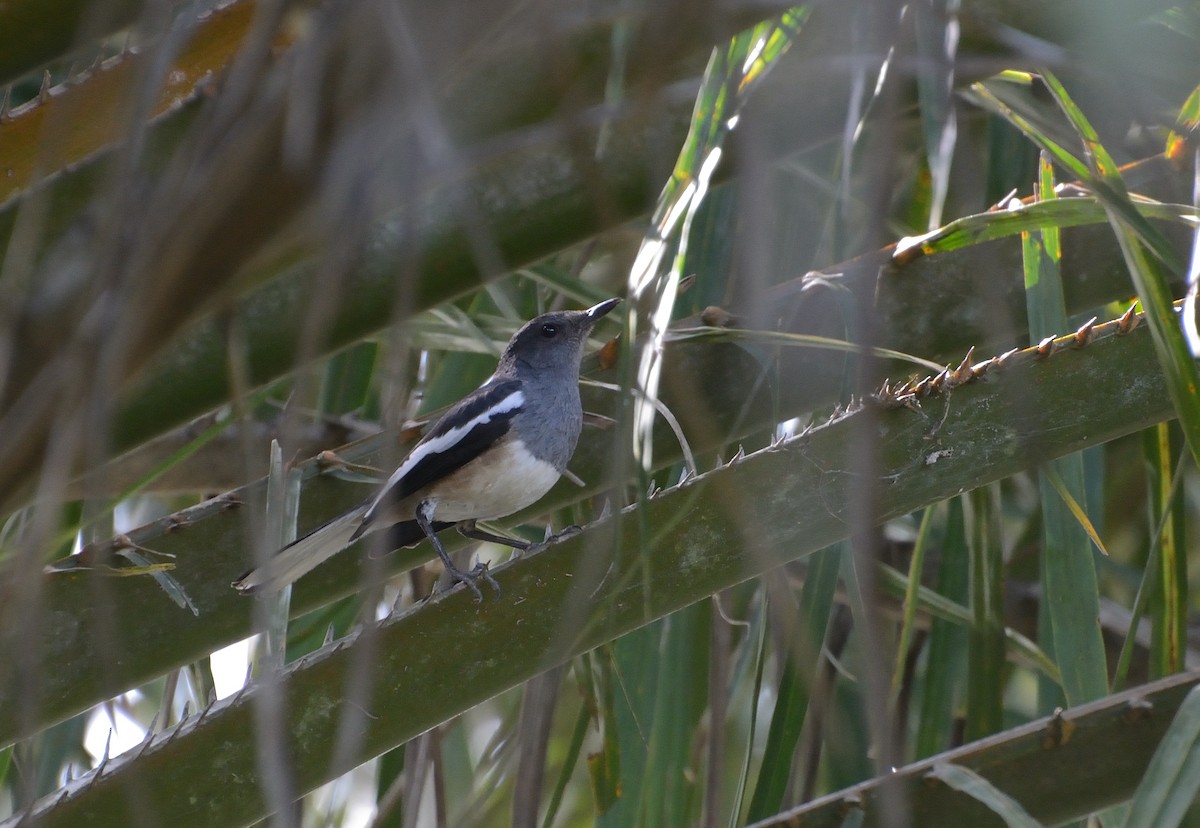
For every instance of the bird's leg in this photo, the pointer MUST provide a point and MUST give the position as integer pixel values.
(424, 517)
(468, 529)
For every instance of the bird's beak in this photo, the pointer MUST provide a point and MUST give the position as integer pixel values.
(596, 311)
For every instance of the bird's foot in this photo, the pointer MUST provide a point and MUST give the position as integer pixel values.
(554, 537)
(564, 533)
(472, 578)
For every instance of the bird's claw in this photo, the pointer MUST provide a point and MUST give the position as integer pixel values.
(481, 571)
(561, 535)
(471, 580)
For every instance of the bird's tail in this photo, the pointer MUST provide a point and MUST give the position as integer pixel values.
(303, 555)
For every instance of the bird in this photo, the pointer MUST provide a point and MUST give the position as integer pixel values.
(495, 452)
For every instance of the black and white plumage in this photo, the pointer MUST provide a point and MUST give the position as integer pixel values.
(497, 451)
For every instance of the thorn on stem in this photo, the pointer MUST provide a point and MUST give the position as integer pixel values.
(1084, 335)
(1003, 359)
(963, 372)
(1128, 321)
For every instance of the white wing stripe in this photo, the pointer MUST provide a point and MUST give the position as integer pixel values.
(444, 442)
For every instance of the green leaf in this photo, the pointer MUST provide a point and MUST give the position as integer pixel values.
(1188, 121)
(796, 680)
(574, 747)
(1020, 649)
(784, 338)
(1069, 500)
(1068, 576)
(604, 766)
(969, 782)
(942, 689)
(679, 704)
(755, 655)
(1020, 217)
(916, 569)
(1172, 781)
(986, 664)
(1138, 238)
(1169, 604)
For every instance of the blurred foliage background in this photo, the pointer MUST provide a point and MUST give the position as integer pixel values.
(889, 517)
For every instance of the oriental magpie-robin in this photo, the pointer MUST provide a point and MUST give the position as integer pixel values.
(495, 452)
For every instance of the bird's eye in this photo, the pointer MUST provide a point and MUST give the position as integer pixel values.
(549, 331)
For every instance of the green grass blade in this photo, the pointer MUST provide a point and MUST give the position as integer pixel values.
(797, 675)
(1105, 176)
(911, 597)
(942, 688)
(1172, 781)
(936, 29)
(634, 674)
(1072, 503)
(941, 608)
(986, 663)
(1069, 589)
(347, 379)
(1150, 571)
(730, 75)
(680, 702)
(1174, 356)
(604, 766)
(1041, 255)
(1101, 176)
(755, 644)
(1168, 606)
(971, 783)
(1099, 160)
(1187, 121)
(825, 343)
(1059, 153)
(1029, 216)
(574, 748)
(1137, 239)
(1068, 574)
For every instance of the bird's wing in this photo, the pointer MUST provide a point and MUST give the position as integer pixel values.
(461, 435)
(406, 534)
(464, 432)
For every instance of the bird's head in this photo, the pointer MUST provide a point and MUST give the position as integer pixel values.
(554, 340)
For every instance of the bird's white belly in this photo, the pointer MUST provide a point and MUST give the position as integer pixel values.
(505, 480)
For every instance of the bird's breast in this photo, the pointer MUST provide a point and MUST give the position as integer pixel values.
(504, 480)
